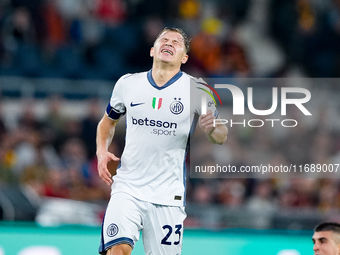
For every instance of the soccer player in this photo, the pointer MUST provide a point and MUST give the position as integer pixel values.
(326, 239)
(148, 190)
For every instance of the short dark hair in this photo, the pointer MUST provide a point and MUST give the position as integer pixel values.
(328, 226)
(181, 32)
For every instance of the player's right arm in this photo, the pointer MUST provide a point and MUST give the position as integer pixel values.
(106, 129)
(105, 133)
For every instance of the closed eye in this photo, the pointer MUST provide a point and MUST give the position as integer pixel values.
(323, 240)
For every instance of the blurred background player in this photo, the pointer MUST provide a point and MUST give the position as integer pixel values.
(326, 239)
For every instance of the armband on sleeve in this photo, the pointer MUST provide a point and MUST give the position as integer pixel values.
(113, 113)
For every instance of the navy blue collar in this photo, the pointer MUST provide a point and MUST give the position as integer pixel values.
(171, 81)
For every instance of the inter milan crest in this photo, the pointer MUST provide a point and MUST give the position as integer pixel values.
(112, 230)
(156, 103)
(176, 107)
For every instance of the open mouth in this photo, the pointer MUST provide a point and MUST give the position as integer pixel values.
(167, 51)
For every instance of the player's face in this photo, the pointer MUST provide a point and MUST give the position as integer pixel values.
(169, 47)
(324, 243)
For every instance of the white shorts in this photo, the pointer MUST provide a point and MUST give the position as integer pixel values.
(126, 216)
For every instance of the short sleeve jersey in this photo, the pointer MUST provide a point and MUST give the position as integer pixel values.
(159, 121)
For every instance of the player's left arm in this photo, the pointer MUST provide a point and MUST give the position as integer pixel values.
(216, 133)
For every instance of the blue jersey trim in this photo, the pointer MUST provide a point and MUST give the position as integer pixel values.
(191, 133)
(102, 239)
(122, 240)
(185, 178)
(171, 81)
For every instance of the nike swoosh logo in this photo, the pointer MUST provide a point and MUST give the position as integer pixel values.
(132, 104)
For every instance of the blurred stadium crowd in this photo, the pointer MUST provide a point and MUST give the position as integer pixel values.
(54, 155)
(75, 38)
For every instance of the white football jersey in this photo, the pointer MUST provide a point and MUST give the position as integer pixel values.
(159, 121)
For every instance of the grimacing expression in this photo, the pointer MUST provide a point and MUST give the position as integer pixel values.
(325, 244)
(169, 47)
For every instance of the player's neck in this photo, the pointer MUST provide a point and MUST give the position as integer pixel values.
(162, 75)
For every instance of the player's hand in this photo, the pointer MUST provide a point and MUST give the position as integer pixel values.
(103, 159)
(206, 122)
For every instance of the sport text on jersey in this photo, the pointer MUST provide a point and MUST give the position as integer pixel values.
(164, 127)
